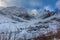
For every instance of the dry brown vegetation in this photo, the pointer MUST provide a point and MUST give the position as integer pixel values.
(50, 36)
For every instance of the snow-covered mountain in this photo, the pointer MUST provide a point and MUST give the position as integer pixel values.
(14, 19)
(2, 8)
(46, 13)
(16, 13)
(14, 10)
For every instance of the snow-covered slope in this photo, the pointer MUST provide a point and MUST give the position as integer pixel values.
(2, 8)
(16, 11)
(11, 22)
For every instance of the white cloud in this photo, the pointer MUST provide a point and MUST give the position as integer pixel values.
(5, 3)
(58, 4)
(34, 11)
(31, 3)
(2, 4)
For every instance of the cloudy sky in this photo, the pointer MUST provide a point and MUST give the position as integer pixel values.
(31, 4)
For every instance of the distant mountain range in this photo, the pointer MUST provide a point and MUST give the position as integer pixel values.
(18, 13)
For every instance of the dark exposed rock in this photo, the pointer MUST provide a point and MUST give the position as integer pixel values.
(48, 15)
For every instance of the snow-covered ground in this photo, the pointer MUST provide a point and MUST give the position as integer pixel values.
(7, 24)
